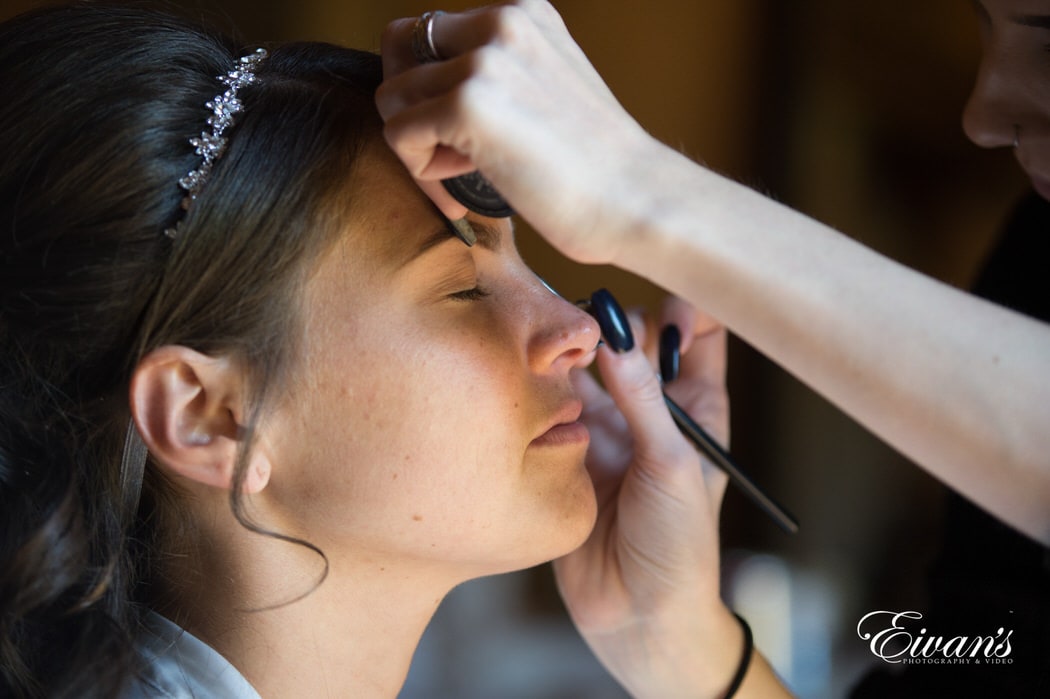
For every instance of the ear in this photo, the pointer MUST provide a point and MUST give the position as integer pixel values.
(188, 408)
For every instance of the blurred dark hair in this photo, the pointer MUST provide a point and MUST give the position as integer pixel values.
(97, 103)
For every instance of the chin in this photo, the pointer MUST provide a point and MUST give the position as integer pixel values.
(555, 532)
(576, 523)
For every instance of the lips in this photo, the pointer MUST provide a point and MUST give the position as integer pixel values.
(1041, 186)
(1036, 174)
(565, 427)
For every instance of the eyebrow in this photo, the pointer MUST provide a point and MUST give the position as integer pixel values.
(1035, 21)
(488, 238)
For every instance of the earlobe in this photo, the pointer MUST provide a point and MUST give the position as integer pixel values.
(258, 473)
(187, 407)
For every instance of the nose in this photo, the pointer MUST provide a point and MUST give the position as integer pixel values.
(990, 118)
(562, 337)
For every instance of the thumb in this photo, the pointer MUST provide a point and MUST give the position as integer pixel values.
(663, 505)
(632, 383)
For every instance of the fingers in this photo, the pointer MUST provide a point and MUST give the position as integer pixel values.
(429, 118)
(456, 33)
(515, 98)
(703, 340)
(607, 457)
(691, 321)
(401, 91)
(448, 205)
(632, 383)
(421, 114)
(418, 123)
(453, 34)
(590, 392)
(700, 388)
(703, 349)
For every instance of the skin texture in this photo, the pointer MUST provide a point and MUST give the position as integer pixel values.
(964, 400)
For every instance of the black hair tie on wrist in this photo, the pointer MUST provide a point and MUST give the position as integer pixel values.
(745, 661)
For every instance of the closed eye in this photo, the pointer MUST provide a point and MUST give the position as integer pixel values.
(475, 294)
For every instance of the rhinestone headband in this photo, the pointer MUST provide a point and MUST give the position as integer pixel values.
(211, 145)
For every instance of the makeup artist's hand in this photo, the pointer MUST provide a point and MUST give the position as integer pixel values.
(516, 98)
(644, 589)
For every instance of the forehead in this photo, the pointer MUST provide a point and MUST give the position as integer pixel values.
(393, 221)
(389, 215)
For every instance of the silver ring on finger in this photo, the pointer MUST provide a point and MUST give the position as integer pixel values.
(423, 38)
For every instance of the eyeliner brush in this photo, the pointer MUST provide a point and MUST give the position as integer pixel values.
(707, 446)
(670, 361)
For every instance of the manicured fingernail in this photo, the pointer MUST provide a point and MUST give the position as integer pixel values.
(670, 352)
(616, 329)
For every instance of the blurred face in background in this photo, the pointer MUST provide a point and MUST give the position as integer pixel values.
(1010, 102)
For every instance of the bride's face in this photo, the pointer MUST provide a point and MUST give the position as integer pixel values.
(432, 418)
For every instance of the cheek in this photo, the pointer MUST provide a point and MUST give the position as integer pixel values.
(1042, 83)
(410, 429)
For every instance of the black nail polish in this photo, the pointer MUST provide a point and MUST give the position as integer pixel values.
(670, 352)
(616, 329)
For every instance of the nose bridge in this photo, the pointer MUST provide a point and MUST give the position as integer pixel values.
(989, 117)
(560, 333)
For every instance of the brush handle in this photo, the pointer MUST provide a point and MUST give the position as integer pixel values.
(707, 446)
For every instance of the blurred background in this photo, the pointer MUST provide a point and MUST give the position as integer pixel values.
(847, 111)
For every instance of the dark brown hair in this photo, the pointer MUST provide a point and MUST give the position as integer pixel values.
(97, 104)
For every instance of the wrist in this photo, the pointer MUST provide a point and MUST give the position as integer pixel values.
(744, 664)
(698, 656)
(670, 198)
(732, 667)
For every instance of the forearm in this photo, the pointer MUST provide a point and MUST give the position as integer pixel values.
(957, 384)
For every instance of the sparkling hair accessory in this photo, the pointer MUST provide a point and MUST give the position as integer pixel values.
(211, 145)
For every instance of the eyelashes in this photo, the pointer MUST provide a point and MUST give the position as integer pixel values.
(475, 294)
